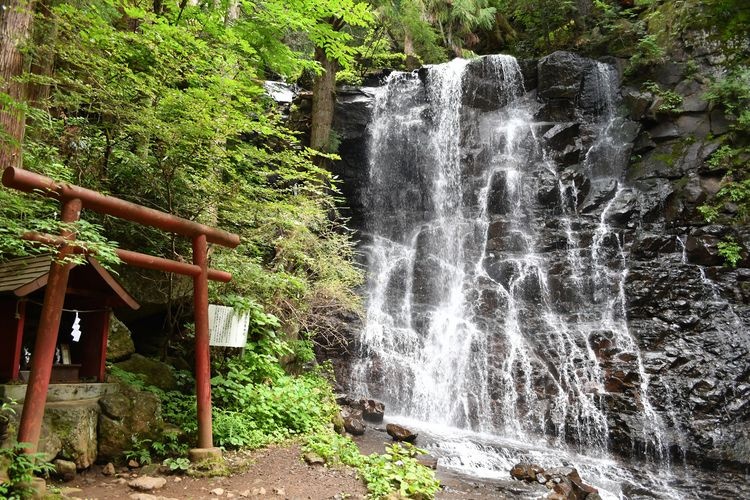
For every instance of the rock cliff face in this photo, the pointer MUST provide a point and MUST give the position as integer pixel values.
(688, 315)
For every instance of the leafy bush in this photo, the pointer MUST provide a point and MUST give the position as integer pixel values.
(398, 470)
(670, 100)
(395, 471)
(21, 469)
(257, 402)
(141, 451)
(180, 464)
(733, 93)
(731, 251)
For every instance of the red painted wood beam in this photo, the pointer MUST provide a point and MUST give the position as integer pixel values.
(171, 266)
(11, 337)
(202, 354)
(139, 259)
(29, 182)
(30, 426)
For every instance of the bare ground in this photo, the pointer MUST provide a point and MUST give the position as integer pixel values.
(277, 472)
(274, 472)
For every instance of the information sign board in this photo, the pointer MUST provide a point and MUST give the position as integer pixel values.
(227, 327)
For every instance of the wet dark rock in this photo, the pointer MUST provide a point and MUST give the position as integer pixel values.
(664, 130)
(624, 207)
(600, 193)
(480, 86)
(669, 73)
(692, 93)
(719, 122)
(643, 143)
(561, 75)
(428, 461)
(565, 482)
(372, 410)
(354, 425)
(399, 433)
(703, 250)
(530, 73)
(636, 102)
(562, 135)
(526, 472)
(693, 125)
(352, 113)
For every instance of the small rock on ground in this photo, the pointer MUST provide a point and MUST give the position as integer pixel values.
(146, 496)
(147, 483)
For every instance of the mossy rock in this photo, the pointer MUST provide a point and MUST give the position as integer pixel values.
(119, 342)
(126, 413)
(210, 467)
(152, 371)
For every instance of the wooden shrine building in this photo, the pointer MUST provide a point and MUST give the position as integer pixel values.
(80, 351)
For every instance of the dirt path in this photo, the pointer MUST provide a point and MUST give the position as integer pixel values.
(278, 472)
(275, 472)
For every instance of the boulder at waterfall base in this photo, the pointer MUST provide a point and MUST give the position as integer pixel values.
(354, 425)
(565, 482)
(372, 411)
(399, 433)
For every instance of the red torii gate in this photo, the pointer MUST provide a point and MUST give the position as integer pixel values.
(74, 199)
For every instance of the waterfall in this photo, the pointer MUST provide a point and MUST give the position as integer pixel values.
(493, 303)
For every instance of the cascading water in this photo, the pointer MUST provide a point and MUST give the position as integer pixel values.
(482, 315)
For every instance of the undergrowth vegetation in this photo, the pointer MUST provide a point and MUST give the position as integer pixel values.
(18, 468)
(257, 402)
(397, 470)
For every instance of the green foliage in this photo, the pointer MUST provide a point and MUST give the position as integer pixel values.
(334, 448)
(670, 101)
(19, 466)
(395, 471)
(547, 25)
(733, 93)
(141, 450)
(21, 469)
(170, 444)
(258, 403)
(398, 470)
(730, 250)
(710, 213)
(177, 409)
(177, 465)
(167, 109)
(723, 158)
(255, 401)
(649, 51)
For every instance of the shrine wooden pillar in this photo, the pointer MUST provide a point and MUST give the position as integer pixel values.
(202, 349)
(12, 318)
(30, 426)
(95, 327)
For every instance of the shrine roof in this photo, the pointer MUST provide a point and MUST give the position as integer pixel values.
(25, 275)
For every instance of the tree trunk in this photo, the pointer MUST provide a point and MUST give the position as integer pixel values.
(43, 34)
(233, 12)
(412, 60)
(323, 101)
(15, 26)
